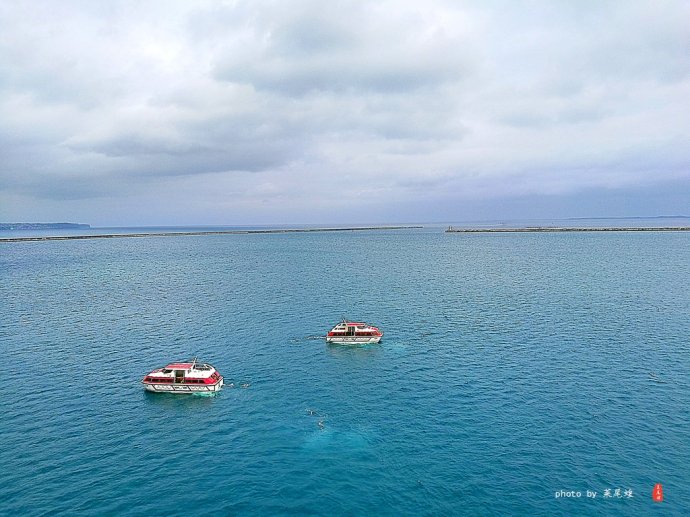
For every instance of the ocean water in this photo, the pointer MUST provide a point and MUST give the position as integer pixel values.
(513, 367)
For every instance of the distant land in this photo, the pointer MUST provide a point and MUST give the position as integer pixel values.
(44, 226)
(634, 217)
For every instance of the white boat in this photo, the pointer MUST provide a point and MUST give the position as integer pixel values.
(184, 377)
(354, 332)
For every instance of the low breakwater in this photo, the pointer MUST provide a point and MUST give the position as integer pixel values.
(570, 229)
(197, 233)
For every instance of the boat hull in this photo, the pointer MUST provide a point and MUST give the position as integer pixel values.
(353, 340)
(183, 389)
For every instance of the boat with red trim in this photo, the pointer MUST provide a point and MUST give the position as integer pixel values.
(354, 332)
(184, 377)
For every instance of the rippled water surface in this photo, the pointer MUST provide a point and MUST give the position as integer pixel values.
(513, 366)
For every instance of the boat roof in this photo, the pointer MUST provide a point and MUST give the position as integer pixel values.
(178, 366)
(196, 365)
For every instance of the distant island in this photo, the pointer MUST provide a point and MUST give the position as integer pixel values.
(43, 226)
(623, 218)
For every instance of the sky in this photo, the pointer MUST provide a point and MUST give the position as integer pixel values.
(284, 112)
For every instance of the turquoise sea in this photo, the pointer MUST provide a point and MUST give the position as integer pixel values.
(515, 368)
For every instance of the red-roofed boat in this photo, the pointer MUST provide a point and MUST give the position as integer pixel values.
(184, 377)
(354, 332)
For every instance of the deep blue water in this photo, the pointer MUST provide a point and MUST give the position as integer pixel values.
(513, 366)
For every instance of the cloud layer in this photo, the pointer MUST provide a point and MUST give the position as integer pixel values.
(267, 112)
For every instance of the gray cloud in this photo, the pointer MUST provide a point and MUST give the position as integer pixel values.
(251, 110)
(346, 47)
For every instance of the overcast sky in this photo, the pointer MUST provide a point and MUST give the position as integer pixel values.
(261, 112)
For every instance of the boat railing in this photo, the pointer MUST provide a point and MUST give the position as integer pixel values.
(187, 387)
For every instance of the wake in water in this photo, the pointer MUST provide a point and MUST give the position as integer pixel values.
(297, 340)
(243, 385)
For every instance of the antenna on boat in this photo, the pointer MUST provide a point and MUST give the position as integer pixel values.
(193, 363)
